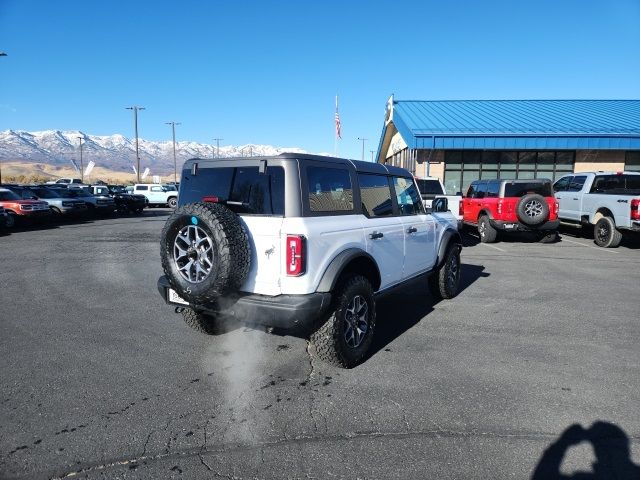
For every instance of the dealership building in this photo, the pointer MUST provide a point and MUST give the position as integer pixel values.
(464, 140)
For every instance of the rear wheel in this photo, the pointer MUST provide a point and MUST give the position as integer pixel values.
(605, 233)
(200, 322)
(488, 234)
(345, 337)
(173, 202)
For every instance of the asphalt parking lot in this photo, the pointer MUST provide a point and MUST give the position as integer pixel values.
(100, 379)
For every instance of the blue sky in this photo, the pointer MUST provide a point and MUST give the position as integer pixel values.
(267, 72)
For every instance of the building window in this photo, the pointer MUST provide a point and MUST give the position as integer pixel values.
(632, 161)
(463, 167)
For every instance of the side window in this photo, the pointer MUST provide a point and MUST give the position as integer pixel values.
(481, 190)
(562, 185)
(329, 189)
(493, 188)
(142, 187)
(577, 183)
(408, 197)
(376, 195)
(471, 193)
(156, 189)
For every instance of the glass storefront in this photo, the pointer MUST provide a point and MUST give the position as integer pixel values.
(632, 161)
(465, 166)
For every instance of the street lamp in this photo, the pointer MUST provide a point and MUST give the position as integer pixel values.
(81, 164)
(362, 140)
(135, 109)
(175, 165)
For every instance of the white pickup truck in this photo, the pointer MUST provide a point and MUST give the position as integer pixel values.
(431, 187)
(156, 194)
(608, 201)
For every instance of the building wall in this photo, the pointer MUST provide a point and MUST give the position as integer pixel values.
(590, 160)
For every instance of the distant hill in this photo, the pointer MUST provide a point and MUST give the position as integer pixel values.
(115, 153)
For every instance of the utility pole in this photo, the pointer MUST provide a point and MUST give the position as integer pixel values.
(372, 154)
(135, 109)
(175, 164)
(362, 140)
(218, 146)
(2, 54)
(81, 164)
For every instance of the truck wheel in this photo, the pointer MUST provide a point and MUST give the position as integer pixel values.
(201, 322)
(445, 281)
(205, 252)
(11, 221)
(488, 234)
(345, 337)
(173, 202)
(532, 209)
(605, 233)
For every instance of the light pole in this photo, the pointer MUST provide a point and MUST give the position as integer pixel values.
(2, 54)
(218, 146)
(175, 165)
(81, 164)
(362, 140)
(372, 154)
(135, 109)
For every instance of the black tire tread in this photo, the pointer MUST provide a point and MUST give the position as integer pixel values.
(490, 233)
(200, 322)
(614, 239)
(438, 280)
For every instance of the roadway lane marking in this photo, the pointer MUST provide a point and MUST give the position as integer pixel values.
(602, 249)
(493, 246)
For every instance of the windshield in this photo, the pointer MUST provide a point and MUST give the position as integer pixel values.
(46, 193)
(429, 187)
(101, 190)
(170, 188)
(520, 189)
(78, 192)
(8, 196)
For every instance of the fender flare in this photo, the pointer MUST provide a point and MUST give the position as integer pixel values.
(449, 237)
(337, 266)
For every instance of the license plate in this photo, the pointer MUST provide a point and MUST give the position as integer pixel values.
(175, 298)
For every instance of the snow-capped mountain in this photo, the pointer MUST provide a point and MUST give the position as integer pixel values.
(115, 152)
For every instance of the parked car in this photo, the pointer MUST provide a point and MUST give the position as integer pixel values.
(96, 204)
(66, 181)
(4, 217)
(432, 187)
(608, 202)
(494, 206)
(303, 242)
(20, 210)
(60, 201)
(127, 202)
(157, 195)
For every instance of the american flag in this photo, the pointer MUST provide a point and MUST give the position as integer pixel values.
(338, 125)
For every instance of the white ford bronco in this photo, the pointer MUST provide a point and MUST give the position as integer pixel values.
(303, 242)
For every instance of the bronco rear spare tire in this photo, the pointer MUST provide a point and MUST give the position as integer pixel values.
(205, 252)
(532, 209)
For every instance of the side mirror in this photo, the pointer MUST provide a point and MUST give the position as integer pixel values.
(440, 205)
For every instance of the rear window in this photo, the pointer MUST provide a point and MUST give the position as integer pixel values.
(242, 189)
(520, 189)
(330, 189)
(429, 187)
(142, 187)
(616, 184)
(376, 195)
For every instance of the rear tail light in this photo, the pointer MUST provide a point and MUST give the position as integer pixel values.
(210, 199)
(556, 208)
(461, 208)
(295, 255)
(635, 209)
(499, 207)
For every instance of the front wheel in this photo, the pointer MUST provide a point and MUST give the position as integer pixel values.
(345, 337)
(445, 281)
(173, 202)
(605, 233)
(11, 221)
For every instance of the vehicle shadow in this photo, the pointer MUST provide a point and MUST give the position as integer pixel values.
(610, 444)
(413, 305)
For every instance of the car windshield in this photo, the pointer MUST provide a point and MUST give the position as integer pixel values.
(79, 192)
(520, 189)
(101, 190)
(429, 187)
(170, 188)
(117, 189)
(7, 195)
(46, 193)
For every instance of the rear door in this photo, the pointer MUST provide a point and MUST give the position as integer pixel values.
(384, 231)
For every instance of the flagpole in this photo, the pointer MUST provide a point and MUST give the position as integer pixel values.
(335, 133)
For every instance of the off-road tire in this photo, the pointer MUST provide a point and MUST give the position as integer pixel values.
(138, 210)
(532, 209)
(172, 202)
(329, 339)
(11, 221)
(444, 283)
(230, 246)
(605, 233)
(487, 233)
(548, 237)
(201, 322)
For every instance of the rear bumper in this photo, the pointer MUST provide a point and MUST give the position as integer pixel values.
(520, 227)
(280, 311)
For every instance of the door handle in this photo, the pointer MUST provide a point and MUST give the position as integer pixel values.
(375, 235)
(412, 230)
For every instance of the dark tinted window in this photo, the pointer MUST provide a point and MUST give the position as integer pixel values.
(242, 189)
(8, 196)
(520, 189)
(481, 189)
(429, 187)
(376, 195)
(616, 184)
(329, 189)
(493, 188)
(471, 193)
(142, 187)
(46, 193)
(407, 196)
(562, 185)
(577, 183)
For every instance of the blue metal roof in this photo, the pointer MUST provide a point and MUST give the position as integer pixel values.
(519, 124)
